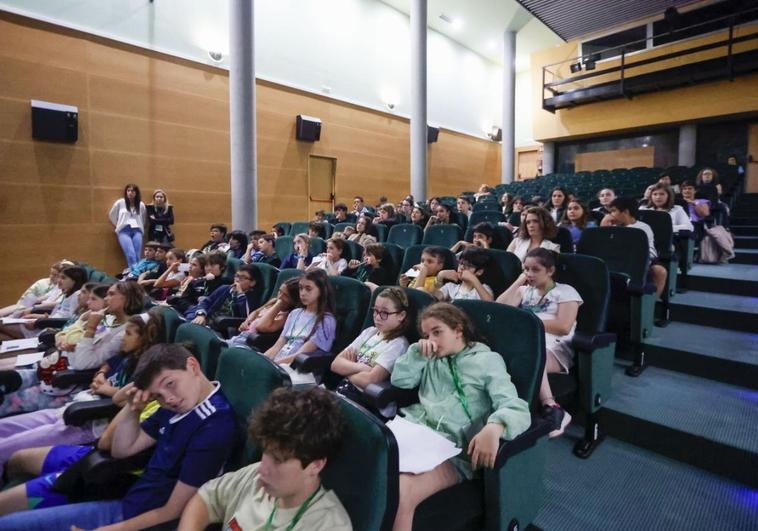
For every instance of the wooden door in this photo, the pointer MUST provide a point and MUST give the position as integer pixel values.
(526, 163)
(321, 173)
(751, 166)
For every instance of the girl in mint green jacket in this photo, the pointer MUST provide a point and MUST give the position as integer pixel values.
(465, 394)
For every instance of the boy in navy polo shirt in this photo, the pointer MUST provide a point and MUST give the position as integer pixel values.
(193, 433)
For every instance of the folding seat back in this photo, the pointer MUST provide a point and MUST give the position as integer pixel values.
(206, 344)
(381, 232)
(417, 300)
(405, 235)
(444, 235)
(663, 231)
(393, 259)
(353, 250)
(351, 299)
(340, 227)
(284, 275)
(501, 240)
(460, 219)
(368, 451)
(412, 257)
(491, 216)
(510, 268)
(283, 246)
(328, 230)
(268, 279)
(318, 246)
(171, 322)
(247, 378)
(285, 226)
(232, 266)
(299, 227)
(563, 238)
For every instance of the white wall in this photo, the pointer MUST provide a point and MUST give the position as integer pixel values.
(357, 48)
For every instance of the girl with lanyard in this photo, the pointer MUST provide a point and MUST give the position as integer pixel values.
(310, 328)
(47, 427)
(465, 394)
(557, 306)
(371, 356)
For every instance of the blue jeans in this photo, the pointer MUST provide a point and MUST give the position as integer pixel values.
(130, 240)
(89, 515)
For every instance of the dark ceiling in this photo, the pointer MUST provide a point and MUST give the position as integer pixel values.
(574, 18)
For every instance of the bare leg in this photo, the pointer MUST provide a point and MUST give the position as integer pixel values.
(13, 500)
(546, 394)
(28, 461)
(415, 488)
(659, 274)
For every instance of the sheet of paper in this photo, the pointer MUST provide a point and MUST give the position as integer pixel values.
(19, 344)
(28, 359)
(16, 320)
(420, 448)
(411, 273)
(299, 378)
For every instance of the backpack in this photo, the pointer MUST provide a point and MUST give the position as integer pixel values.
(717, 246)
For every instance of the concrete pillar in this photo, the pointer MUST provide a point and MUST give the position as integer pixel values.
(418, 100)
(242, 134)
(687, 144)
(548, 158)
(509, 104)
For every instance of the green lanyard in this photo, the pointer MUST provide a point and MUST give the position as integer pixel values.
(365, 348)
(298, 514)
(458, 387)
(295, 335)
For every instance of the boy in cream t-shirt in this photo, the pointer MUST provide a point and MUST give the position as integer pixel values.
(298, 432)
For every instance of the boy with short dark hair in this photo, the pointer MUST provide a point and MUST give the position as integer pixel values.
(235, 300)
(266, 253)
(148, 264)
(193, 432)
(218, 239)
(340, 213)
(298, 433)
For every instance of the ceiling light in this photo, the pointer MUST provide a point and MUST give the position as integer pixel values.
(216, 57)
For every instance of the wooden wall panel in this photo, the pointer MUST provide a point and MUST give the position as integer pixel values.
(616, 158)
(163, 122)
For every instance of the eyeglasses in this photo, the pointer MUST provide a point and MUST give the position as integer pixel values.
(382, 314)
(241, 277)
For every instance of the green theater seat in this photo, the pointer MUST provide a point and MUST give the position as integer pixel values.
(405, 235)
(444, 235)
(207, 345)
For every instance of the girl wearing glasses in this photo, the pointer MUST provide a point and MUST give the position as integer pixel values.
(371, 357)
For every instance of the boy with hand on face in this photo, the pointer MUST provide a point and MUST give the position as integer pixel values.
(193, 432)
(298, 432)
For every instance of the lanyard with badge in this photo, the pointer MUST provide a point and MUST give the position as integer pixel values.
(541, 305)
(298, 515)
(365, 349)
(295, 335)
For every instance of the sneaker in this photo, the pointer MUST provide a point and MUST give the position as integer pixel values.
(558, 417)
(10, 381)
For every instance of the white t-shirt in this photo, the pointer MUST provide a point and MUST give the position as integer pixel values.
(546, 308)
(520, 246)
(373, 350)
(453, 291)
(320, 262)
(650, 236)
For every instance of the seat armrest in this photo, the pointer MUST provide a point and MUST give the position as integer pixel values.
(67, 378)
(49, 322)
(382, 394)
(314, 362)
(41, 309)
(590, 342)
(684, 235)
(222, 323)
(539, 428)
(646, 289)
(78, 413)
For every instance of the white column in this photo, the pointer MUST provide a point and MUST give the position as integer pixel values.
(418, 100)
(687, 144)
(548, 158)
(242, 135)
(509, 103)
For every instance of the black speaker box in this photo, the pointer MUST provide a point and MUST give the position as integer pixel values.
(432, 133)
(54, 121)
(308, 128)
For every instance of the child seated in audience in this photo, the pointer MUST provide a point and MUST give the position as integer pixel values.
(171, 279)
(70, 281)
(201, 287)
(191, 288)
(662, 198)
(218, 239)
(557, 306)
(432, 262)
(484, 236)
(605, 196)
(371, 356)
(386, 215)
(331, 261)
(442, 215)
(697, 208)
(149, 264)
(301, 256)
(340, 213)
(236, 300)
(319, 216)
(298, 433)
(419, 216)
(468, 281)
(193, 433)
(576, 218)
(365, 233)
(375, 268)
(310, 328)
(263, 326)
(535, 231)
(316, 230)
(35, 293)
(266, 253)
(624, 214)
(47, 426)
(465, 394)
(463, 203)
(237, 244)
(30, 388)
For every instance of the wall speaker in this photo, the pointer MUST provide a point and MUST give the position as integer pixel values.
(54, 121)
(432, 134)
(308, 128)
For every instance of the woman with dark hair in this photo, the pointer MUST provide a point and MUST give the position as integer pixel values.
(365, 232)
(237, 244)
(128, 215)
(576, 218)
(419, 216)
(559, 199)
(160, 215)
(536, 230)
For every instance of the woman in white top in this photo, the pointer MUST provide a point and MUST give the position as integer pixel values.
(662, 198)
(536, 230)
(128, 215)
(557, 306)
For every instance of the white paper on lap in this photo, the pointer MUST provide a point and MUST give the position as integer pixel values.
(420, 448)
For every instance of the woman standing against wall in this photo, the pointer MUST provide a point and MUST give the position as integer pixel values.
(160, 217)
(128, 216)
